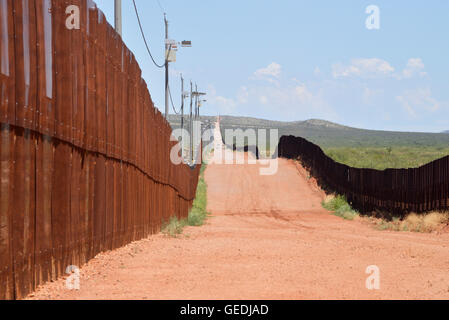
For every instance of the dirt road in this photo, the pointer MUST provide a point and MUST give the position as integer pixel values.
(268, 238)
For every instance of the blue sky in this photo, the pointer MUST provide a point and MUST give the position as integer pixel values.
(296, 60)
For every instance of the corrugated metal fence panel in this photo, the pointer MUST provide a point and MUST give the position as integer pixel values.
(6, 209)
(45, 68)
(398, 191)
(23, 212)
(25, 64)
(7, 63)
(84, 155)
(78, 61)
(43, 238)
(91, 137)
(100, 80)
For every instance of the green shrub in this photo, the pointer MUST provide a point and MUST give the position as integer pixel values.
(174, 227)
(340, 207)
(197, 214)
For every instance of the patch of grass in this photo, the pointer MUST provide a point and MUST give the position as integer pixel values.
(197, 214)
(174, 227)
(384, 225)
(424, 223)
(381, 158)
(340, 207)
(420, 223)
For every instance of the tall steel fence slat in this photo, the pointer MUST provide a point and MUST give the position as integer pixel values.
(84, 154)
(398, 191)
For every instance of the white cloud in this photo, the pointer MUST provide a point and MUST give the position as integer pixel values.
(220, 103)
(270, 73)
(292, 101)
(415, 66)
(415, 63)
(378, 68)
(366, 68)
(421, 99)
(303, 94)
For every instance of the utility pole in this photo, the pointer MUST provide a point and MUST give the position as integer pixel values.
(196, 120)
(197, 96)
(118, 16)
(182, 117)
(171, 47)
(196, 101)
(191, 122)
(167, 48)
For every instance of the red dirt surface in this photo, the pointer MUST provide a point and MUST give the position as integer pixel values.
(268, 238)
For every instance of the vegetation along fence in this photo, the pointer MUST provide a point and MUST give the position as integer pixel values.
(84, 155)
(397, 191)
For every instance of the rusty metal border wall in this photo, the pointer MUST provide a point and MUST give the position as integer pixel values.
(84, 154)
(397, 191)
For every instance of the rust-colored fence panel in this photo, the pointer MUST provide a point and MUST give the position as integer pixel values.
(398, 191)
(43, 246)
(84, 154)
(6, 208)
(45, 67)
(7, 63)
(23, 211)
(25, 63)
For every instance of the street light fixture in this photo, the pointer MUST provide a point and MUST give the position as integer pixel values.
(186, 44)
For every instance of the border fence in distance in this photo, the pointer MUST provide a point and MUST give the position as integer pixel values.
(397, 191)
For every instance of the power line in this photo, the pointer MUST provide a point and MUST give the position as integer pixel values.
(144, 39)
(162, 9)
(172, 104)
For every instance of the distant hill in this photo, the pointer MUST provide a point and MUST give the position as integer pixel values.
(328, 134)
(447, 131)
